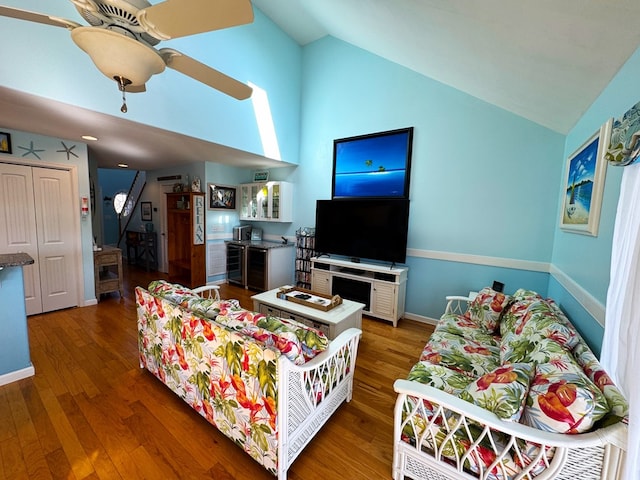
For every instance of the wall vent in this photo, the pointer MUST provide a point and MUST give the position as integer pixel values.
(217, 259)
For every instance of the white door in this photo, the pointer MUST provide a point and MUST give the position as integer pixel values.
(56, 240)
(35, 218)
(18, 227)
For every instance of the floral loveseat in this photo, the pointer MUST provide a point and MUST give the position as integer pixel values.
(266, 383)
(507, 390)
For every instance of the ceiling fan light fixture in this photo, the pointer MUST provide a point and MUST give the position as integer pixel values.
(116, 55)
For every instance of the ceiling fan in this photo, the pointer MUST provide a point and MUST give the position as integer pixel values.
(122, 34)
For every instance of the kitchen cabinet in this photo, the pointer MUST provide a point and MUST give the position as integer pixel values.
(266, 202)
(186, 238)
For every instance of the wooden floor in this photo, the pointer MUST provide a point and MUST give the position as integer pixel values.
(91, 412)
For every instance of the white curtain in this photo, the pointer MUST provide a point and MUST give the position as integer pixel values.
(620, 356)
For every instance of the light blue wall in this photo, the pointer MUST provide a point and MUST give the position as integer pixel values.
(587, 260)
(14, 342)
(484, 182)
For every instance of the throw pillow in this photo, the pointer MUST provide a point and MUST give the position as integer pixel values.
(502, 391)
(487, 308)
(563, 400)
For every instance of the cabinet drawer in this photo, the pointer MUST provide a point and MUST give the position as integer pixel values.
(107, 259)
(269, 311)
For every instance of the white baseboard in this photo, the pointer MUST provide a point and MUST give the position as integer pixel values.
(420, 318)
(17, 375)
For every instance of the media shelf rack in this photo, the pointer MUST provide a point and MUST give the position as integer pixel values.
(381, 288)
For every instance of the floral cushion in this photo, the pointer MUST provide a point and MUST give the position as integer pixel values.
(563, 400)
(440, 377)
(468, 356)
(539, 320)
(172, 292)
(487, 308)
(297, 342)
(592, 368)
(502, 391)
(463, 326)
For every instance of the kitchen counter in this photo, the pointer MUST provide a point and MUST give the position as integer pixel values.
(15, 260)
(261, 244)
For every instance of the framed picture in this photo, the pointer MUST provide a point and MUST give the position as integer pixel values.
(584, 183)
(221, 196)
(5, 142)
(145, 211)
(373, 165)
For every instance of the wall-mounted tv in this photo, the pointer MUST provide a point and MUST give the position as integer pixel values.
(373, 165)
(359, 228)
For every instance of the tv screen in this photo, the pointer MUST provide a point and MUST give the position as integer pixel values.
(374, 228)
(374, 165)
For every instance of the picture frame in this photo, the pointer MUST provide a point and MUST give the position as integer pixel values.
(261, 176)
(5, 142)
(583, 187)
(146, 211)
(221, 197)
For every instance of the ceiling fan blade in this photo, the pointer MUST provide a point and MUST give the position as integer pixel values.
(37, 17)
(179, 18)
(205, 74)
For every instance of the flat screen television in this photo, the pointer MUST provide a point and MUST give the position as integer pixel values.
(373, 165)
(371, 228)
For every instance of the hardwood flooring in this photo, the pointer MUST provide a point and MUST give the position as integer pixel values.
(90, 412)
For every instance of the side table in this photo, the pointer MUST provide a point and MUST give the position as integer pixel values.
(107, 267)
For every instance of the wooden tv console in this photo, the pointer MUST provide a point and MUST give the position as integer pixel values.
(381, 288)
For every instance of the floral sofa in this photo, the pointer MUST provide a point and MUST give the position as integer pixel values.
(266, 383)
(507, 390)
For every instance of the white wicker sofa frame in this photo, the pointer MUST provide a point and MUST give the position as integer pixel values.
(596, 455)
(306, 395)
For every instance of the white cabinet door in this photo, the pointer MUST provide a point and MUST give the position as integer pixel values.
(266, 202)
(321, 281)
(383, 300)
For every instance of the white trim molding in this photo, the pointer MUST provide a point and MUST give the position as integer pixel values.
(481, 260)
(594, 307)
(17, 375)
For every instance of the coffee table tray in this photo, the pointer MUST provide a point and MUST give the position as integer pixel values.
(309, 298)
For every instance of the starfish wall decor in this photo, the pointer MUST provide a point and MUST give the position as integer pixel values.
(67, 150)
(31, 150)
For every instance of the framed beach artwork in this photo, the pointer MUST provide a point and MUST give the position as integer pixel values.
(221, 197)
(584, 184)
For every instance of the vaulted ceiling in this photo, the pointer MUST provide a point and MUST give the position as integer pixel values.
(544, 60)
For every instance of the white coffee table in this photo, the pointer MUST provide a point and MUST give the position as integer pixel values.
(332, 322)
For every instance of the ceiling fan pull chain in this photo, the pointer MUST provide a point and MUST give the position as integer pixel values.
(123, 108)
(122, 85)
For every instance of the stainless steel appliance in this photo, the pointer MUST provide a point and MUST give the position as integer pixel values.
(257, 268)
(237, 263)
(242, 232)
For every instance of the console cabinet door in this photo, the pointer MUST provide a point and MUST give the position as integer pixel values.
(384, 300)
(321, 282)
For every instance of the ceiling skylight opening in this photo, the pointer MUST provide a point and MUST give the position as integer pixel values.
(267, 130)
